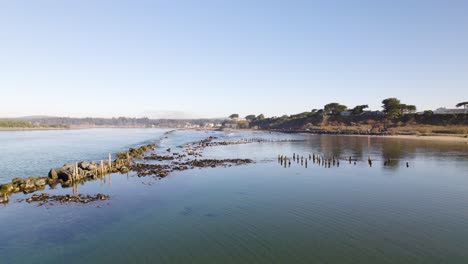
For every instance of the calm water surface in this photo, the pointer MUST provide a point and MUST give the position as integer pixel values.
(27, 153)
(260, 213)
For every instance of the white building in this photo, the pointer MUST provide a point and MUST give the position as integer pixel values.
(445, 111)
(346, 113)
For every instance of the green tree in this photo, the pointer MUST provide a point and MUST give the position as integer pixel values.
(428, 113)
(464, 104)
(358, 109)
(334, 108)
(260, 117)
(393, 108)
(408, 107)
(234, 116)
(250, 118)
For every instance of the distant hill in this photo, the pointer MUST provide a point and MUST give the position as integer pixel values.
(46, 121)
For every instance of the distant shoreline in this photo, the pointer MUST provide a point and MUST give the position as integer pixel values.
(445, 138)
(63, 128)
(452, 138)
(32, 128)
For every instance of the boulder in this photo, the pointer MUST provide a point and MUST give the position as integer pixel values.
(4, 198)
(92, 166)
(65, 173)
(29, 183)
(7, 188)
(53, 174)
(65, 176)
(87, 165)
(40, 182)
(17, 181)
(83, 165)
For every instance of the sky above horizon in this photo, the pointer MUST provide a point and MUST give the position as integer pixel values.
(194, 59)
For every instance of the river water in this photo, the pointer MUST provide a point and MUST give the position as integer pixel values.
(258, 213)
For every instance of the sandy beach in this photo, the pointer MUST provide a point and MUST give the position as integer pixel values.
(414, 137)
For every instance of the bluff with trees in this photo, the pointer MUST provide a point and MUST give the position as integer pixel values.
(395, 117)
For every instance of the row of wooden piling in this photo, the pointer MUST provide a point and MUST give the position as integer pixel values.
(321, 160)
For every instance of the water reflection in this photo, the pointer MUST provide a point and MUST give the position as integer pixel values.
(389, 153)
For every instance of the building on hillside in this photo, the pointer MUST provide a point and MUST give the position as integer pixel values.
(346, 113)
(230, 125)
(445, 111)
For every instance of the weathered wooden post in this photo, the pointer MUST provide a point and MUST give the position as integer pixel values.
(110, 162)
(74, 172)
(102, 168)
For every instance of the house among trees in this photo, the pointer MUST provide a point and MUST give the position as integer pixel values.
(445, 111)
(346, 113)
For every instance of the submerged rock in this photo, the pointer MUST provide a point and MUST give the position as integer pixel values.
(45, 198)
(40, 182)
(159, 158)
(124, 169)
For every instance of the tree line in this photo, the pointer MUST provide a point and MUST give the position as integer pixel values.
(392, 108)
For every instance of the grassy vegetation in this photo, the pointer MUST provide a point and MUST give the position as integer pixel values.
(26, 125)
(15, 123)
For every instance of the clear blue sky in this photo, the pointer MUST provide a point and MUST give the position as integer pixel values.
(213, 58)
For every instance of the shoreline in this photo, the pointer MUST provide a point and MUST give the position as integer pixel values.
(69, 128)
(32, 128)
(415, 137)
(445, 138)
(442, 137)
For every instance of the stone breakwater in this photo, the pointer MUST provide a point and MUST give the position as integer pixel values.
(135, 159)
(70, 174)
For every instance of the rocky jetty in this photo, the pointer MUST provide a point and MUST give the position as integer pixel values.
(69, 174)
(133, 160)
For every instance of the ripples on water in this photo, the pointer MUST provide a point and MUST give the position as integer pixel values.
(247, 214)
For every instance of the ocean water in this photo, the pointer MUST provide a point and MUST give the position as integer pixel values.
(34, 153)
(258, 213)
